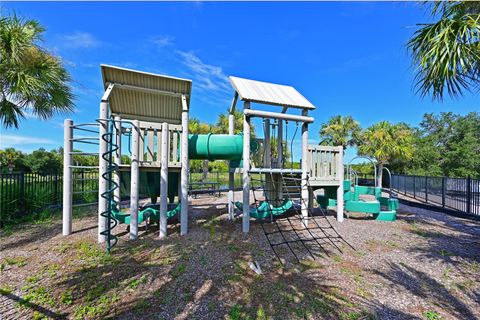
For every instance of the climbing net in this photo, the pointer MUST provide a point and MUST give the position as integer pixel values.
(298, 231)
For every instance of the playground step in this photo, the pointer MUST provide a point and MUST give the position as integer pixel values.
(390, 215)
(363, 206)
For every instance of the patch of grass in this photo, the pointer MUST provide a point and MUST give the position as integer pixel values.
(232, 247)
(66, 297)
(337, 258)
(446, 274)
(5, 290)
(136, 282)
(14, 261)
(51, 270)
(211, 225)
(178, 270)
(357, 315)
(92, 255)
(238, 312)
(431, 315)
(309, 265)
(38, 295)
(444, 253)
(97, 310)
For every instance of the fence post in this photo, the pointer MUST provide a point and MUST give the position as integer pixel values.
(22, 190)
(469, 194)
(443, 191)
(55, 188)
(426, 189)
(83, 182)
(414, 187)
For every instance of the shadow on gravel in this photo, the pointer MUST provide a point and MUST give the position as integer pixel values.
(422, 285)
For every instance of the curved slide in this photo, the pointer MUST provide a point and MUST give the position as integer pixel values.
(265, 209)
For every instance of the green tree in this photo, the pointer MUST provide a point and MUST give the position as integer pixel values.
(222, 123)
(447, 144)
(31, 79)
(384, 142)
(446, 53)
(11, 159)
(44, 162)
(340, 131)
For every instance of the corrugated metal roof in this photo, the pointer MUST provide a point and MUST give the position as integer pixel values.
(269, 93)
(132, 103)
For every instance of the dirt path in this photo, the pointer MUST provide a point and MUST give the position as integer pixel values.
(426, 265)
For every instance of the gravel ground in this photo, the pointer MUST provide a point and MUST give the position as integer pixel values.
(426, 265)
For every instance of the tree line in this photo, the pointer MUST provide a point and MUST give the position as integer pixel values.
(444, 144)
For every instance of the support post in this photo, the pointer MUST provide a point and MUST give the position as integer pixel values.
(231, 175)
(184, 170)
(246, 169)
(102, 171)
(340, 191)
(164, 182)
(304, 182)
(134, 180)
(280, 144)
(67, 176)
(267, 152)
(118, 156)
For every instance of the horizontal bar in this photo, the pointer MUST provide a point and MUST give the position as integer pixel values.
(87, 130)
(86, 191)
(84, 167)
(84, 153)
(274, 170)
(276, 115)
(84, 139)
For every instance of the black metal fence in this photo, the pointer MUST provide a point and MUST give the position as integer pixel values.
(462, 194)
(25, 193)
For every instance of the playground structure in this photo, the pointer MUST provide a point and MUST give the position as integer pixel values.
(143, 142)
(381, 208)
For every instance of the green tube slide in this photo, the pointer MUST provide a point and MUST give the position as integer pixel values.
(217, 146)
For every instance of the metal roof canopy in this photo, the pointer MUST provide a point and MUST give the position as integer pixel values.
(145, 96)
(269, 93)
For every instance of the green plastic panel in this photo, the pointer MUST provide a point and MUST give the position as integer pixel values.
(390, 215)
(363, 206)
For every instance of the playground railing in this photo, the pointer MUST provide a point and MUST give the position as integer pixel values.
(460, 194)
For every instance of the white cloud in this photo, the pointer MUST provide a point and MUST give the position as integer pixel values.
(206, 76)
(12, 140)
(163, 40)
(80, 39)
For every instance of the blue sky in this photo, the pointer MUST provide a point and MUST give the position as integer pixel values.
(346, 58)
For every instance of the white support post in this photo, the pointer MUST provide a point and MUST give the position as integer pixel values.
(246, 169)
(231, 175)
(280, 144)
(340, 191)
(118, 157)
(184, 172)
(164, 182)
(102, 170)
(134, 180)
(267, 153)
(67, 176)
(304, 185)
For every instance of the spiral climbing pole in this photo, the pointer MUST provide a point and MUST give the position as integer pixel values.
(108, 195)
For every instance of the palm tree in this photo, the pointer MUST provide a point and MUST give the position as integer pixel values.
(222, 123)
(446, 53)
(31, 79)
(384, 142)
(340, 131)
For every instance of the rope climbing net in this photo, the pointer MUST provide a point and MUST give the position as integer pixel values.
(296, 230)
